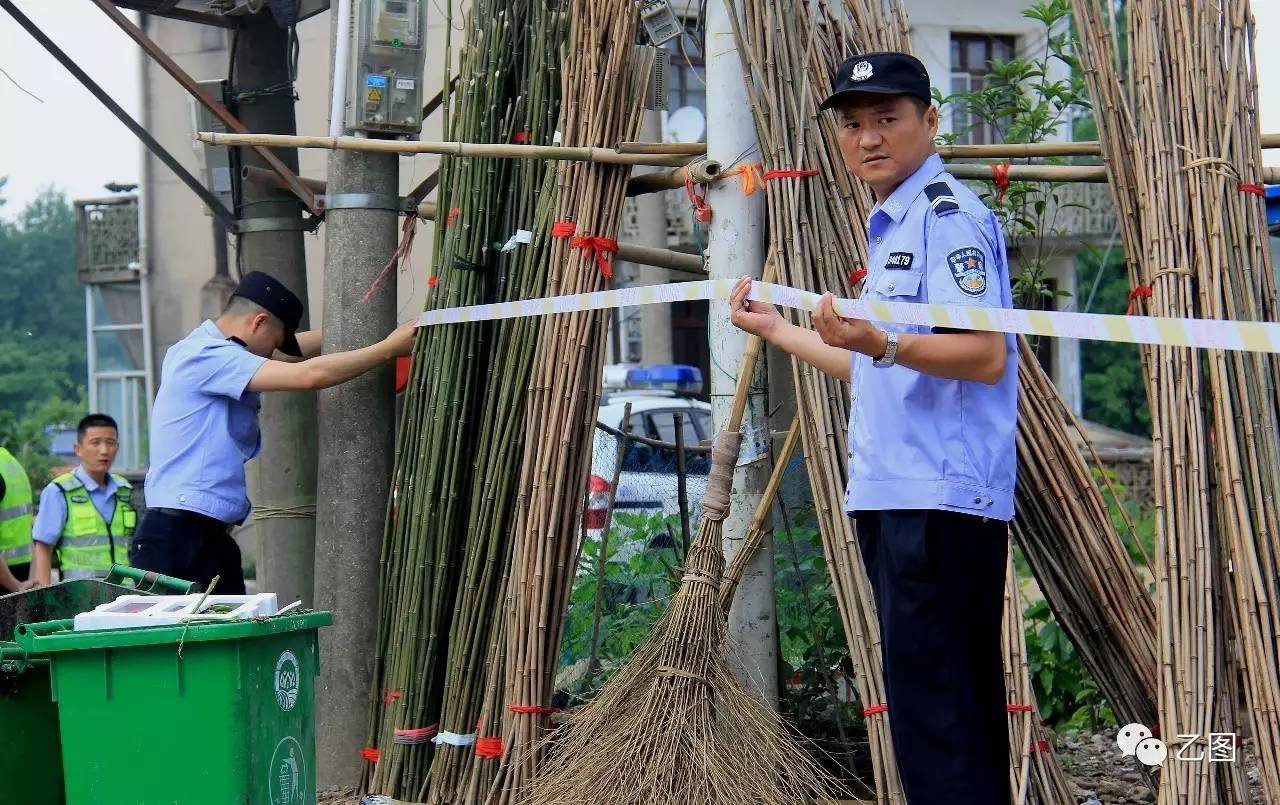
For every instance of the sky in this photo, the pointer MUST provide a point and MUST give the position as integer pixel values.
(69, 140)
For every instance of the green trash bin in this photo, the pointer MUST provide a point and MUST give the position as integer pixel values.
(31, 763)
(197, 714)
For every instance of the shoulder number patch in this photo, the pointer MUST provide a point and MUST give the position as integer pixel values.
(899, 260)
(969, 270)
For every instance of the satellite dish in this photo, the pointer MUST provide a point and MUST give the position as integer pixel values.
(685, 125)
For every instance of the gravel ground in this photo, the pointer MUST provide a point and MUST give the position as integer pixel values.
(1096, 768)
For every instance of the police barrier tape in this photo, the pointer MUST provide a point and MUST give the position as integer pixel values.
(1164, 331)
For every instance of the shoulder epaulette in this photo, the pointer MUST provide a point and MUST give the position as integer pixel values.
(941, 199)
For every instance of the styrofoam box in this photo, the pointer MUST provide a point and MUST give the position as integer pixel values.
(133, 611)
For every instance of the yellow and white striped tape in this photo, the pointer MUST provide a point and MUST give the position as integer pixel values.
(1164, 331)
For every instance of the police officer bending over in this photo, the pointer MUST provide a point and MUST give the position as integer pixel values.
(86, 515)
(204, 425)
(931, 435)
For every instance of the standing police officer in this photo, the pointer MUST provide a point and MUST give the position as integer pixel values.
(931, 435)
(15, 524)
(86, 515)
(204, 425)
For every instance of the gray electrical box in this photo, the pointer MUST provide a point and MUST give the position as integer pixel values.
(388, 54)
(220, 173)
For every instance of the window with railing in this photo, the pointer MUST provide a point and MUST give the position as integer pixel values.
(971, 57)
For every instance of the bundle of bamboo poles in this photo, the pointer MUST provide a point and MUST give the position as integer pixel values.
(789, 50)
(1069, 539)
(1035, 775)
(792, 50)
(446, 545)
(527, 204)
(1179, 130)
(602, 86)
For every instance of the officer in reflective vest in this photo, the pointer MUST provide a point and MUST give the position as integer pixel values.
(15, 523)
(86, 516)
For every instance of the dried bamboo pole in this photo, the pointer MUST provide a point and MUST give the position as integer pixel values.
(1181, 136)
(1067, 535)
(602, 82)
(597, 154)
(1035, 774)
(759, 524)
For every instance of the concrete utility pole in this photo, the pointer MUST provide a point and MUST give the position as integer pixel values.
(284, 478)
(737, 247)
(356, 450)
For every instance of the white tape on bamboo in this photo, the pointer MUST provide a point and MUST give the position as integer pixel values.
(1211, 333)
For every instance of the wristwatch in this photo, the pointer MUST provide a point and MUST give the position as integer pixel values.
(890, 351)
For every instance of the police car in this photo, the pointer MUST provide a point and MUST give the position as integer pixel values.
(648, 483)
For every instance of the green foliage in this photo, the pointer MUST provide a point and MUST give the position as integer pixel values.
(42, 340)
(1067, 695)
(640, 576)
(27, 436)
(1024, 103)
(42, 337)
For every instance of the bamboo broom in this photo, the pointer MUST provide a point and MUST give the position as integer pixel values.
(674, 725)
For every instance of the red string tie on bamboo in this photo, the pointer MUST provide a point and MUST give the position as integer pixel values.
(389, 696)
(533, 710)
(370, 754)
(520, 137)
(414, 736)
(1139, 292)
(701, 210)
(790, 173)
(875, 710)
(489, 748)
(594, 245)
(1018, 708)
(453, 216)
(1043, 746)
(857, 275)
(1249, 187)
(1000, 175)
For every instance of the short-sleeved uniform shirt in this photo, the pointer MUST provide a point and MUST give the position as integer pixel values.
(918, 441)
(204, 426)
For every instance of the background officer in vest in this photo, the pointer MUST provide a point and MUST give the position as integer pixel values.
(15, 524)
(86, 516)
(931, 435)
(204, 425)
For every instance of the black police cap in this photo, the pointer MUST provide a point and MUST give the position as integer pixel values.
(880, 74)
(272, 296)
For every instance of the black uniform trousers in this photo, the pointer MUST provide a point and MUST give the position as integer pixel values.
(188, 546)
(939, 578)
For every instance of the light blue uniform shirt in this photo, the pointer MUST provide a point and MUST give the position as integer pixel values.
(204, 426)
(917, 441)
(52, 517)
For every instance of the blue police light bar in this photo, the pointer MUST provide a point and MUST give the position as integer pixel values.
(670, 377)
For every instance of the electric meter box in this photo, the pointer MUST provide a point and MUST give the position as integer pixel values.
(388, 53)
